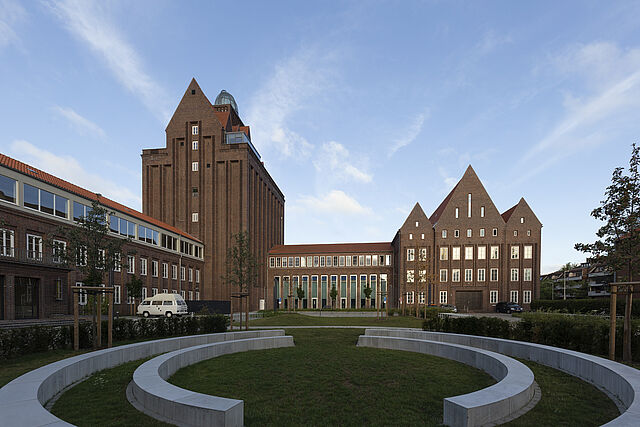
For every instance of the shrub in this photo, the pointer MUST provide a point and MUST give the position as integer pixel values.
(584, 306)
(17, 342)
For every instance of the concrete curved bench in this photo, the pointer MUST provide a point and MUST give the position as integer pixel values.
(620, 382)
(514, 390)
(153, 395)
(22, 400)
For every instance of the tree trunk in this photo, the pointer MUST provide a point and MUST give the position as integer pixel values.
(626, 342)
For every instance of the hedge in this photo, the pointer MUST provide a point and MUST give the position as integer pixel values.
(585, 306)
(17, 342)
(587, 334)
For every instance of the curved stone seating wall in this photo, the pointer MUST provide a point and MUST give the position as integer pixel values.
(514, 390)
(153, 395)
(620, 381)
(22, 400)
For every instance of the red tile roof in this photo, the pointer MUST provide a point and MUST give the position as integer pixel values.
(223, 118)
(72, 188)
(507, 214)
(331, 248)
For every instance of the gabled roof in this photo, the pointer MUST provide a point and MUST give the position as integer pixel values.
(331, 248)
(40, 175)
(416, 212)
(438, 212)
(507, 214)
(520, 206)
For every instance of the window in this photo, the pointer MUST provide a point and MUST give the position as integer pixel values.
(190, 295)
(468, 274)
(116, 294)
(495, 232)
(410, 236)
(417, 223)
(183, 272)
(123, 227)
(469, 232)
(494, 275)
(59, 247)
(44, 201)
(468, 252)
(131, 264)
(521, 220)
(444, 254)
(423, 254)
(117, 262)
(469, 205)
(82, 295)
(81, 256)
(194, 145)
(374, 260)
(422, 236)
(482, 211)
(443, 275)
(197, 295)
(166, 291)
(482, 252)
(515, 233)
(341, 261)
(328, 261)
(493, 297)
(34, 247)
(143, 266)
(297, 261)
(194, 130)
(174, 272)
(165, 270)
(194, 166)
(315, 261)
(154, 268)
(194, 217)
(272, 262)
(514, 296)
(410, 297)
(388, 258)
(528, 232)
(410, 275)
(59, 289)
(80, 211)
(284, 262)
(526, 297)
(197, 276)
(455, 275)
(410, 254)
(278, 262)
(348, 261)
(457, 213)
(495, 252)
(481, 275)
(526, 275)
(154, 292)
(443, 297)
(455, 253)
(6, 242)
(514, 274)
(361, 260)
(148, 235)
(190, 274)
(310, 261)
(444, 234)
(7, 189)
(482, 232)
(515, 252)
(528, 252)
(456, 233)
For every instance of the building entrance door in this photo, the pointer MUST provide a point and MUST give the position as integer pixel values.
(26, 297)
(469, 300)
(343, 303)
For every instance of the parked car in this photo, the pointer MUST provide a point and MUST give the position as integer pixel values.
(508, 307)
(163, 305)
(449, 307)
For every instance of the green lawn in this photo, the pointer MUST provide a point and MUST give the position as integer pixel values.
(292, 319)
(326, 380)
(13, 368)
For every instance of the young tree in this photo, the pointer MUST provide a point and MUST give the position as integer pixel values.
(333, 294)
(546, 289)
(134, 290)
(300, 294)
(367, 293)
(90, 248)
(618, 243)
(242, 270)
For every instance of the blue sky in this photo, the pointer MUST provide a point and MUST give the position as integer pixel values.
(359, 109)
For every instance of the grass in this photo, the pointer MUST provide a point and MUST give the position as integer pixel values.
(101, 400)
(292, 319)
(326, 380)
(13, 368)
(566, 400)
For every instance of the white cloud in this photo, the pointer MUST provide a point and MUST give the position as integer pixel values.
(334, 202)
(286, 92)
(88, 21)
(610, 105)
(11, 15)
(410, 134)
(491, 41)
(81, 124)
(333, 160)
(70, 169)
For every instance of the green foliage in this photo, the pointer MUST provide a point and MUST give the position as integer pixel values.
(582, 306)
(546, 289)
(587, 334)
(17, 342)
(367, 292)
(134, 287)
(300, 292)
(242, 267)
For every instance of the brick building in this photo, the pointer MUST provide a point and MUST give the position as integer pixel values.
(466, 253)
(34, 282)
(210, 182)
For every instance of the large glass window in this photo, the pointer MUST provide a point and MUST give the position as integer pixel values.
(6, 242)
(46, 202)
(79, 211)
(7, 189)
(31, 199)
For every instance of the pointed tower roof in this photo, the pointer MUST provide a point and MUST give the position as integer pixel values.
(193, 97)
(440, 209)
(521, 208)
(416, 214)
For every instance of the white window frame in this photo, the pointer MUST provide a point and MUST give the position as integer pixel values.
(165, 270)
(455, 275)
(495, 250)
(526, 297)
(116, 294)
(513, 296)
(482, 276)
(443, 297)
(495, 232)
(468, 252)
(469, 232)
(527, 274)
(131, 264)
(7, 242)
(183, 273)
(515, 251)
(443, 275)
(515, 273)
(154, 292)
(194, 145)
(194, 217)
(456, 233)
(194, 130)
(410, 276)
(444, 253)
(493, 297)
(482, 252)
(444, 234)
(174, 272)
(468, 274)
(154, 268)
(528, 251)
(194, 166)
(482, 232)
(410, 254)
(34, 247)
(56, 254)
(197, 275)
(455, 253)
(481, 211)
(491, 276)
(143, 266)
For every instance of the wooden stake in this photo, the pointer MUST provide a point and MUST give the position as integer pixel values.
(110, 321)
(76, 326)
(99, 319)
(612, 326)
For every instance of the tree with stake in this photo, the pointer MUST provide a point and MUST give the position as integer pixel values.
(300, 294)
(334, 294)
(134, 290)
(619, 238)
(367, 294)
(242, 271)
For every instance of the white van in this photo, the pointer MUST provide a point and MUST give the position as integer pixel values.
(163, 305)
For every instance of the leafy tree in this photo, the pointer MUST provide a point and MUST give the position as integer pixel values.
(367, 292)
(300, 294)
(134, 289)
(546, 289)
(618, 243)
(242, 268)
(333, 294)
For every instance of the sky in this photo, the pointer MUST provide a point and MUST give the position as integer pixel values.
(358, 109)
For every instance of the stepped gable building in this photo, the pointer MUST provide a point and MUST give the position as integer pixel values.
(210, 182)
(466, 254)
(35, 280)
